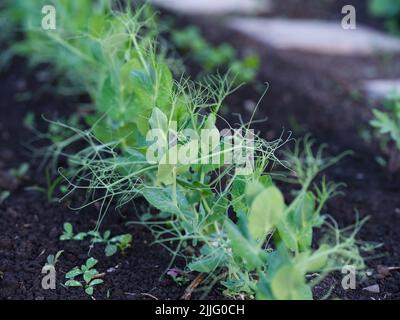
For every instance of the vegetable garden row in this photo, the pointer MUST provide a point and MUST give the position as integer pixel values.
(249, 235)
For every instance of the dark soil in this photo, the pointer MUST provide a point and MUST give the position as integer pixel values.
(311, 93)
(30, 227)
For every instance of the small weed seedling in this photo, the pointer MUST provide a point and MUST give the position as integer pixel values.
(53, 259)
(121, 242)
(89, 274)
(68, 233)
(387, 124)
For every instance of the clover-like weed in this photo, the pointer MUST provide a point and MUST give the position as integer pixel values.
(89, 275)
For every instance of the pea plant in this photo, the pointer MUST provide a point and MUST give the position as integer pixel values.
(121, 242)
(386, 123)
(244, 234)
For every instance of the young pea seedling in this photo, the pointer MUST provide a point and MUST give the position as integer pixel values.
(53, 259)
(121, 242)
(89, 274)
(68, 233)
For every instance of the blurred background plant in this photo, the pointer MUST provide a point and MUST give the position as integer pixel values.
(388, 10)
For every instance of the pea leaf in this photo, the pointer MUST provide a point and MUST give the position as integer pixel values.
(89, 290)
(73, 283)
(265, 212)
(238, 193)
(319, 259)
(159, 120)
(89, 274)
(288, 283)
(161, 198)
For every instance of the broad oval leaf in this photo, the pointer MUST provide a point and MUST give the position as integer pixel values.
(265, 212)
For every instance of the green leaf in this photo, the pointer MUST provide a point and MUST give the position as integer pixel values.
(97, 25)
(124, 239)
(265, 212)
(107, 102)
(161, 199)
(288, 283)
(305, 238)
(165, 174)
(126, 73)
(73, 283)
(96, 282)
(287, 234)
(319, 259)
(238, 193)
(263, 291)
(80, 236)
(165, 85)
(91, 262)
(304, 211)
(89, 290)
(50, 259)
(106, 235)
(73, 273)
(110, 250)
(159, 120)
(209, 263)
(65, 237)
(244, 249)
(89, 274)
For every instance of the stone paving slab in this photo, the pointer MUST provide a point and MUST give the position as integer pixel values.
(215, 7)
(381, 88)
(325, 37)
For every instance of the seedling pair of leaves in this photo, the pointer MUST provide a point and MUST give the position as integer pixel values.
(387, 124)
(53, 259)
(388, 9)
(213, 58)
(89, 276)
(121, 242)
